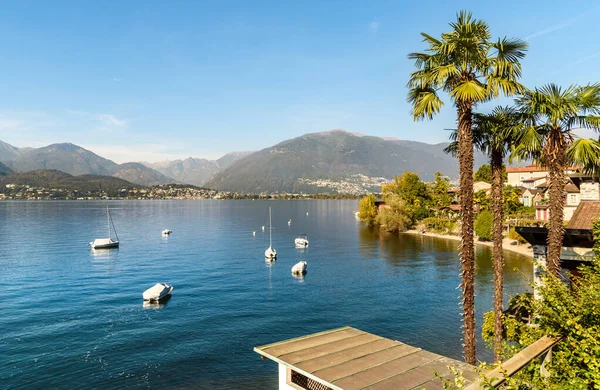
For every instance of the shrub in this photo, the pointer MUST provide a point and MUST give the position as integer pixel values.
(439, 225)
(367, 211)
(483, 225)
(570, 311)
(395, 216)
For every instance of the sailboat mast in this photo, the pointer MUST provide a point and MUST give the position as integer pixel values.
(270, 237)
(108, 220)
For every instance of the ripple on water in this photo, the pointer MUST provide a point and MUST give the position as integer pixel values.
(73, 317)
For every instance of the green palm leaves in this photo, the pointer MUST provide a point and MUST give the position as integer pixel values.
(465, 64)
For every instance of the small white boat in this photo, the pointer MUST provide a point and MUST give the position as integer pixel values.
(301, 240)
(299, 268)
(166, 232)
(254, 233)
(157, 292)
(105, 243)
(289, 222)
(263, 228)
(270, 253)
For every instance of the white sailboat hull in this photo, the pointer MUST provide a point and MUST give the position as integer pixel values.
(104, 243)
(270, 253)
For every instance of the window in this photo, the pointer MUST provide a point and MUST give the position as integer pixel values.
(526, 201)
(572, 198)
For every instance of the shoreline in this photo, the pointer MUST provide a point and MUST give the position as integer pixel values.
(519, 248)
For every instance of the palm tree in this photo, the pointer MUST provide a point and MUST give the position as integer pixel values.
(471, 68)
(552, 115)
(494, 134)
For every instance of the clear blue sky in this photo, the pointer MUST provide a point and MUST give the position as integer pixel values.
(151, 80)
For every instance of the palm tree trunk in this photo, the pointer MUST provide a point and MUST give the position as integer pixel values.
(467, 252)
(556, 160)
(498, 211)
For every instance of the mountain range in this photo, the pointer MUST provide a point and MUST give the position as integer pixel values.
(196, 171)
(75, 160)
(333, 161)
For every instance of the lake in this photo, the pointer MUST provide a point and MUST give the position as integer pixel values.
(73, 317)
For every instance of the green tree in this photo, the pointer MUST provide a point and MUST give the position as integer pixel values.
(395, 216)
(484, 225)
(511, 196)
(408, 186)
(552, 113)
(411, 190)
(439, 191)
(575, 316)
(471, 68)
(367, 210)
(481, 200)
(484, 173)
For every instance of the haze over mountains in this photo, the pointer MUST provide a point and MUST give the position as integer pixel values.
(196, 171)
(75, 160)
(333, 161)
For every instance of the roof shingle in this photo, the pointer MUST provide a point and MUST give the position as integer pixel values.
(585, 214)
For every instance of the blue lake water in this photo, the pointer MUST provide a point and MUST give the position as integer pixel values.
(74, 318)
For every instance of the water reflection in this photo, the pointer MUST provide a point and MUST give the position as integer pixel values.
(298, 278)
(156, 305)
(104, 254)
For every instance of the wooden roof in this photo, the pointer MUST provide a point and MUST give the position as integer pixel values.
(348, 358)
(584, 215)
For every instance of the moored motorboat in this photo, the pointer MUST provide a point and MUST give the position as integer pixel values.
(157, 292)
(299, 268)
(301, 240)
(166, 232)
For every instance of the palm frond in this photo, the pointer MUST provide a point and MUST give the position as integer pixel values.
(425, 102)
(470, 90)
(585, 152)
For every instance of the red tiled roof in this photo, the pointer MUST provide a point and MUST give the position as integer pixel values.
(572, 188)
(535, 168)
(528, 168)
(585, 214)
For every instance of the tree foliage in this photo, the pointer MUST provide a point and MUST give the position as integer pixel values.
(511, 196)
(395, 216)
(439, 191)
(551, 114)
(483, 225)
(571, 311)
(412, 191)
(367, 210)
(484, 173)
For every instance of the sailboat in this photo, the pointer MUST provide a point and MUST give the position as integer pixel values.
(270, 253)
(103, 243)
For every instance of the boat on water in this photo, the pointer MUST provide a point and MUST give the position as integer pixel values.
(270, 253)
(166, 232)
(157, 292)
(299, 268)
(105, 243)
(301, 240)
